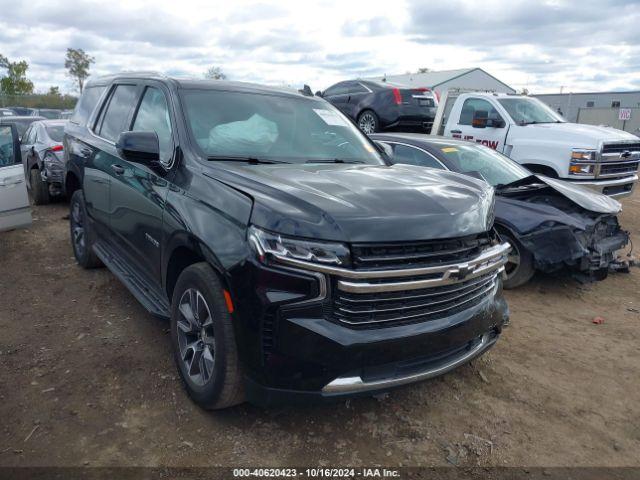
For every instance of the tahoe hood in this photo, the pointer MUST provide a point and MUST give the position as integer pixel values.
(361, 203)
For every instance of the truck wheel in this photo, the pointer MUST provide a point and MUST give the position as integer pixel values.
(203, 340)
(519, 268)
(39, 189)
(81, 236)
(368, 122)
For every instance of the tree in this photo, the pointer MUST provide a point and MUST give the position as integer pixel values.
(424, 70)
(54, 91)
(215, 73)
(78, 63)
(15, 82)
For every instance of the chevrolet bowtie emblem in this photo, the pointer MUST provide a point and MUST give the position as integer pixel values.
(462, 272)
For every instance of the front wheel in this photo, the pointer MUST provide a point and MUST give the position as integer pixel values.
(203, 340)
(519, 268)
(368, 122)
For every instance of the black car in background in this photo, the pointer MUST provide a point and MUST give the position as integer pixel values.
(42, 157)
(377, 106)
(550, 223)
(289, 258)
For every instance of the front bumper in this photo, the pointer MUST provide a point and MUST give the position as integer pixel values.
(617, 188)
(295, 350)
(585, 251)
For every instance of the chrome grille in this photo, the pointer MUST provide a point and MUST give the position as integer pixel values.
(410, 306)
(618, 148)
(612, 169)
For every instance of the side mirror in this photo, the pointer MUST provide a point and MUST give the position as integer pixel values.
(139, 147)
(480, 119)
(384, 148)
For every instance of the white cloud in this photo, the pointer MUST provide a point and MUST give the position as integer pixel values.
(583, 45)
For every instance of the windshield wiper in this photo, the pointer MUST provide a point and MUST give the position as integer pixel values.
(334, 160)
(252, 160)
(535, 122)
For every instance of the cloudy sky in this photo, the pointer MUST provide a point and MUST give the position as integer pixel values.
(541, 45)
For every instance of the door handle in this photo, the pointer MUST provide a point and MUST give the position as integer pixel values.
(456, 131)
(118, 169)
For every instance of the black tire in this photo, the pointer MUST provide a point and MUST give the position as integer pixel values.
(368, 122)
(217, 382)
(80, 232)
(39, 189)
(520, 272)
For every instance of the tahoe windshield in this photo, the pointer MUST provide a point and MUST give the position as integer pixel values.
(494, 167)
(525, 111)
(270, 127)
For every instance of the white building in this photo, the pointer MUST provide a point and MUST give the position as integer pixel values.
(471, 78)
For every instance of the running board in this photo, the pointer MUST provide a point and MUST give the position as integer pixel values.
(149, 296)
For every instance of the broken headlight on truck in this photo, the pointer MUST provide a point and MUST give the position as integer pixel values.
(582, 161)
(290, 249)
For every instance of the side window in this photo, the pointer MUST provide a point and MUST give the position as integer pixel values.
(413, 156)
(339, 89)
(117, 112)
(7, 155)
(471, 105)
(153, 116)
(86, 104)
(356, 87)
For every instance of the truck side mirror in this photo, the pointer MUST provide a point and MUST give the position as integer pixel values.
(139, 147)
(480, 119)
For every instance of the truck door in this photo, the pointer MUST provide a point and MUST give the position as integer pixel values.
(489, 128)
(14, 201)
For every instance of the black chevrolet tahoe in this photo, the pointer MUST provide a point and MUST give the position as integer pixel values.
(292, 262)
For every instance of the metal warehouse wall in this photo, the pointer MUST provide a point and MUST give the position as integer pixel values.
(570, 103)
(477, 80)
(609, 116)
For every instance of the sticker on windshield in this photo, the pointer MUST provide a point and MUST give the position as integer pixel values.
(449, 149)
(331, 118)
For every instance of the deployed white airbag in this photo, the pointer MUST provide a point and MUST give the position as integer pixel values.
(253, 136)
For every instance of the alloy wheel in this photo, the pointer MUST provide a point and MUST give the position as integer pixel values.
(513, 261)
(367, 123)
(196, 337)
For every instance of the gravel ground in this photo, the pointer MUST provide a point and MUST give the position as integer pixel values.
(86, 378)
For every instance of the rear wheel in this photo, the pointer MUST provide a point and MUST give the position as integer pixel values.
(368, 122)
(81, 235)
(204, 345)
(519, 268)
(39, 189)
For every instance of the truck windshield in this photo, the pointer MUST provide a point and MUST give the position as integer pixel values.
(494, 167)
(525, 111)
(271, 127)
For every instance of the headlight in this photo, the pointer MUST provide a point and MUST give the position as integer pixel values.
(282, 247)
(582, 155)
(581, 161)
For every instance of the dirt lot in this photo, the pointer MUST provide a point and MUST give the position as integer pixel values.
(86, 378)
